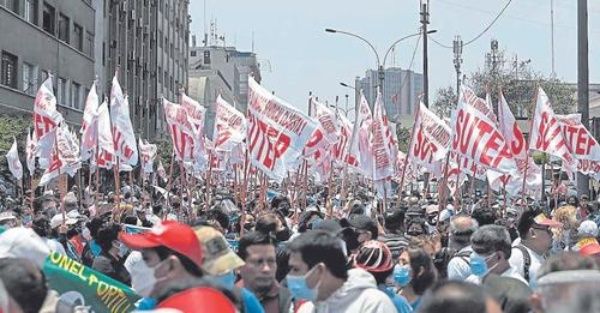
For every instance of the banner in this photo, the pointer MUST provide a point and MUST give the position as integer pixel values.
(14, 164)
(45, 121)
(125, 144)
(230, 126)
(477, 138)
(582, 144)
(79, 285)
(468, 96)
(160, 170)
(431, 138)
(183, 133)
(277, 132)
(384, 144)
(148, 154)
(65, 156)
(547, 132)
(89, 125)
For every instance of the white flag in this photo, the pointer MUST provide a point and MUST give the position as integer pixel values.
(45, 121)
(195, 114)
(125, 144)
(14, 164)
(30, 152)
(106, 148)
(148, 154)
(89, 126)
(277, 132)
(183, 133)
(230, 126)
(384, 144)
(364, 123)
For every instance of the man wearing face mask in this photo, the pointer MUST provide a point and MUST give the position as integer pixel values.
(221, 263)
(318, 275)
(170, 251)
(432, 215)
(112, 258)
(258, 274)
(491, 251)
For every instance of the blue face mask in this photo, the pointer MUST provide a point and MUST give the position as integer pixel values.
(226, 280)
(402, 275)
(478, 265)
(299, 288)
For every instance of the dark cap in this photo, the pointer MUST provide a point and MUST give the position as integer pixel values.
(364, 222)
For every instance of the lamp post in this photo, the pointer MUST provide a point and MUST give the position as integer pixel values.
(380, 65)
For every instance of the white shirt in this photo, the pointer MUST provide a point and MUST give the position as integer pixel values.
(518, 261)
(459, 267)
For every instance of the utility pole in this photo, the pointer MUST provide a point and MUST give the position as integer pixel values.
(583, 187)
(457, 48)
(424, 22)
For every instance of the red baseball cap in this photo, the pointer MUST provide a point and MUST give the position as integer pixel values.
(198, 299)
(178, 237)
(541, 219)
(590, 249)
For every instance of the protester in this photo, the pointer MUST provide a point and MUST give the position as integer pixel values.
(414, 274)
(318, 276)
(376, 258)
(113, 254)
(25, 284)
(257, 249)
(393, 237)
(535, 231)
(461, 230)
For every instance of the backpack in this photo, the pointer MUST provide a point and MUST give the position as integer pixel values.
(526, 260)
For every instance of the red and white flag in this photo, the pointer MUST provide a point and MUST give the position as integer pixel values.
(277, 132)
(342, 150)
(581, 143)
(384, 143)
(65, 156)
(122, 129)
(431, 138)
(148, 154)
(364, 123)
(477, 137)
(196, 113)
(89, 126)
(45, 121)
(183, 133)
(547, 133)
(106, 147)
(30, 152)
(14, 164)
(230, 126)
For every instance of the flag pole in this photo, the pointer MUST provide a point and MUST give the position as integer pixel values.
(527, 154)
(442, 189)
(243, 193)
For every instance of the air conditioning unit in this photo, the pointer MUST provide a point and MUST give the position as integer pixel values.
(140, 21)
(132, 15)
(146, 29)
(123, 7)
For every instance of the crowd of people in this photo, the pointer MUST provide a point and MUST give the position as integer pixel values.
(338, 254)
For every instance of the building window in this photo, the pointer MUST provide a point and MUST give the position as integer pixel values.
(9, 70)
(78, 37)
(30, 79)
(63, 91)
(90, 44)
(30, 12)
(160, 77)
(48, 18)
(193, 53)
(75, 96)
(13, 5)
(63, 28)
(206, 57)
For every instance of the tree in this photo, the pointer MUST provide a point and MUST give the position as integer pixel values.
(403, 135)
(445, 102)
(12, 126)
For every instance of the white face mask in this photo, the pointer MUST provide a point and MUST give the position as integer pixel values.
(142, 277)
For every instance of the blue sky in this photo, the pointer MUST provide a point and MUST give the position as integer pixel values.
(303, 57)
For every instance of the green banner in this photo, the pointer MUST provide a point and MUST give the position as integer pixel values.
(75, 281)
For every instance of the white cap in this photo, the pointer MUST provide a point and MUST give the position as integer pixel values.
(21, 242)
(57, 220)
(588, 229)
(7, 215)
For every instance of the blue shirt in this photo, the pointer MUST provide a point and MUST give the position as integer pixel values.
(401, 304)
(251, 303)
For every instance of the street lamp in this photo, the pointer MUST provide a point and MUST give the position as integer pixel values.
(380, 66)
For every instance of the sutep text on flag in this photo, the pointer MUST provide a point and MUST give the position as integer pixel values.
(123, 136)
(45, 121)
(277, 132)
(230, 126)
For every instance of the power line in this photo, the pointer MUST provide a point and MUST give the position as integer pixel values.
(481, 33)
